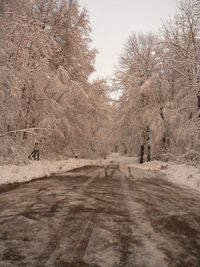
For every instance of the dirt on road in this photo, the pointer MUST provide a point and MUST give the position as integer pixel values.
(91, 218)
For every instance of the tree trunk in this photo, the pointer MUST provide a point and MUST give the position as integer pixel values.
(164, 142)
(198, 101)
(141, 154)
(125, 149)
(148, 144)
(148, 153)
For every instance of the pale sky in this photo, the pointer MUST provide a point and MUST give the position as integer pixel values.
(113, 21)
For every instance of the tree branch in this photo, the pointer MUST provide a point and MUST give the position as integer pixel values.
(182, 74)
(27, 130)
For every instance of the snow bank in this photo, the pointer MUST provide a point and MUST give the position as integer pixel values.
(37, 169)
(184, 175)
(181, 174)
(150, 166)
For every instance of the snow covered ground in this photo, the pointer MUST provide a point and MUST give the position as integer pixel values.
(37, 169)
(181, 174)
(184, 175)
(177, 173)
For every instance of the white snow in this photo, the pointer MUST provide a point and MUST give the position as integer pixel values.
(150, 166)
(181, 174)
(37, 169)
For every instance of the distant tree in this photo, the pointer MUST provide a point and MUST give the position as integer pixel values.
(140, 88)
(158, 112)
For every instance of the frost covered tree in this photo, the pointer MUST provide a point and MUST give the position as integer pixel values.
(45, 63)
(139, 107)
(158, 113)
(181, 50)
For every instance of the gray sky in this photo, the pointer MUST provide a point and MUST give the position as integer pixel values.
(113, 21)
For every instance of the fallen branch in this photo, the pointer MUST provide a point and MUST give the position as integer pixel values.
(26, 130)
(166, 152)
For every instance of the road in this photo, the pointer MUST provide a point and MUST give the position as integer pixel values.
(84, 218)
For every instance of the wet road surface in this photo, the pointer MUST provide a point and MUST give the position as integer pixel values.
(84, 218)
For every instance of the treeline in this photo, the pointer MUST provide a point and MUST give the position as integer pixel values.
(158, 113)
(45, 63)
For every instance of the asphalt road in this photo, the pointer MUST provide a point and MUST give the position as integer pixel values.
(84, 218)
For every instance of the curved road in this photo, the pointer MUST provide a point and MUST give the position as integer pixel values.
(85, 218)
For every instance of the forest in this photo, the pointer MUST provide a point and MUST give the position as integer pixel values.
(46, 94)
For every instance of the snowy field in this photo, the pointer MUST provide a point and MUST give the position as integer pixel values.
(177, 173)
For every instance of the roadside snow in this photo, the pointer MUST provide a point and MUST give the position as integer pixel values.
(37, 169)
(150, 166)
(184, 175)
(181, 174)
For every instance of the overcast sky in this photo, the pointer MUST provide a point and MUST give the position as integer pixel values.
(113, 21)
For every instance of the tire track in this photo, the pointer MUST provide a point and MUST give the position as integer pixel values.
(143, 232)
(80, 249)
(84, 241)
(114, 205)
(125, 231)
(119, 220)
(56, 234)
